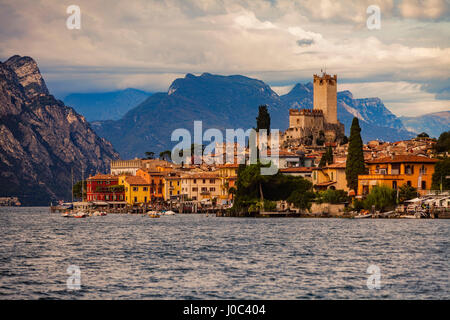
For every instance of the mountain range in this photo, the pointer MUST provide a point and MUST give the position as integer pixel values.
(431, 123)
(105, 105)
(41, 139)
(232, 102)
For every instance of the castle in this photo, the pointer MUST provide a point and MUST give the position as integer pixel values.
(319, 125)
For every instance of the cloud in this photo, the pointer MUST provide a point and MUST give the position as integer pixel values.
(147, 44)
(402, 98)
(419, 9)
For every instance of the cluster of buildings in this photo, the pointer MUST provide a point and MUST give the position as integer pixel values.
(137, 181)
(310, 134)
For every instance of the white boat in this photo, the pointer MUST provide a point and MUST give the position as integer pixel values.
(409, 216)
(153, 214)
(168, 213)
(363, 216)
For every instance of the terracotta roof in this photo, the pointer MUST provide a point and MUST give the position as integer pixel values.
(99, 176)
(325, 184)
(201, 175)
(404, 159)
(338, 165)
(297, 169)
(135, 181)
(228, 165)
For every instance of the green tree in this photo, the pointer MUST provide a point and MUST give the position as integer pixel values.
(381, 197)
(301, 199)
(333, 196)
(406, 192)
(165, 155)
(344, 140)
(77, 190)
(443, 143)
(253, 189)
(441, 171)
(423, 135)
(232, 191)
(263, 119)
(355, 157)
(149, 155)
(321, 139)
(327, 158)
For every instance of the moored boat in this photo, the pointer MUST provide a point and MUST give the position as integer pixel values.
(363, 216)
(153, 214)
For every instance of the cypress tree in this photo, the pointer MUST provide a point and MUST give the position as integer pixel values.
(327, 158)
(263, 119)
(355, 157)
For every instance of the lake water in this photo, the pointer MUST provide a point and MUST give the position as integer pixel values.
(200, 257)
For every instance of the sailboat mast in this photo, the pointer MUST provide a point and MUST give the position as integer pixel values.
(82, 183)
(71, 172)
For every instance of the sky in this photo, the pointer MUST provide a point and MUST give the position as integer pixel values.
(146, 44)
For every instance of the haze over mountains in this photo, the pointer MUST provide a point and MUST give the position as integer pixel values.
(432, 123)
(232, 102)
(105, 105)
(41, 139)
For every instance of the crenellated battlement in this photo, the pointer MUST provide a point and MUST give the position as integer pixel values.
(325, 78)
(306, 112)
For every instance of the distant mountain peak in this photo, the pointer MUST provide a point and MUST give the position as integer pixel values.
(28, 75)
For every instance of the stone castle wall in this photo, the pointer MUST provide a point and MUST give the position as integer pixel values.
(325, 96)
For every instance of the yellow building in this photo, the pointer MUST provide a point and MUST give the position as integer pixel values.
(201, 186)
(330, 177)
(155, 179)
(137, 190)
(172, 186)
(228, 175)
(396, 171)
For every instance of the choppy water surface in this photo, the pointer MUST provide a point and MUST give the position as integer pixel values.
(199, 257)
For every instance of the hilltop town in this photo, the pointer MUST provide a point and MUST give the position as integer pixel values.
(312, 136)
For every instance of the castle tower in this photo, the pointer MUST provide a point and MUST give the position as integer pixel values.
(325, 96)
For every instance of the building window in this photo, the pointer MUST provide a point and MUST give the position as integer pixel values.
(409, 169)
(424, 185)
(135, 199)
(194, 189)
(145, 199)
(159, 190)
(212, 189)
(211, 181)
(106, 197)
(394, 184)
(195, 180)
(135, 188)
(395, 169)
(204, 189)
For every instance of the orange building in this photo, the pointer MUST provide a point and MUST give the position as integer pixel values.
(396, 171)
(228, 175)
(155, 181)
